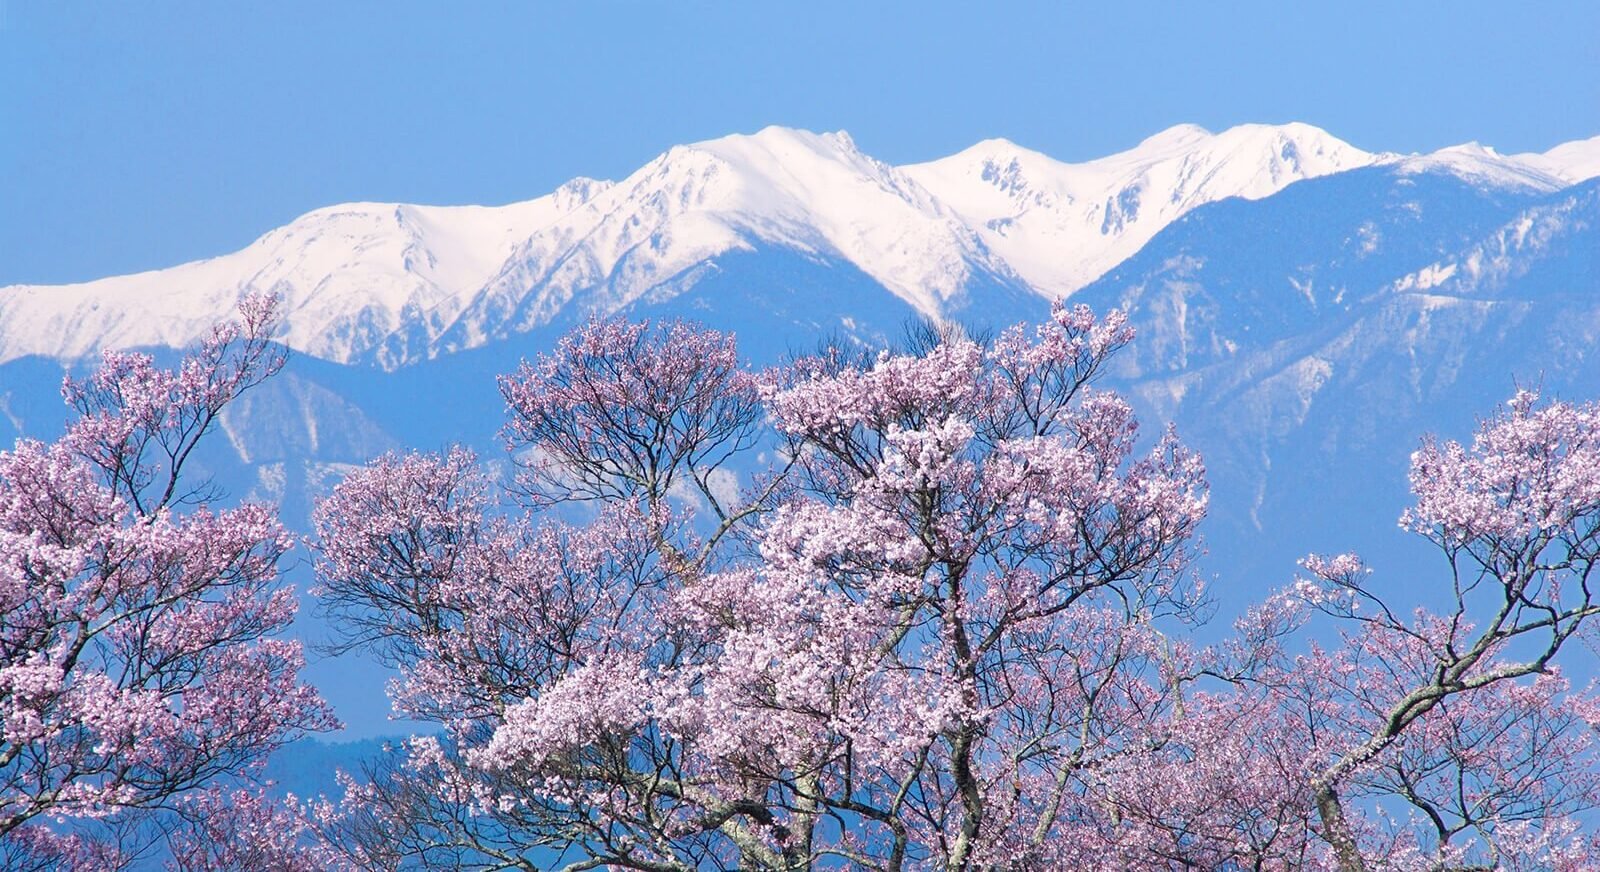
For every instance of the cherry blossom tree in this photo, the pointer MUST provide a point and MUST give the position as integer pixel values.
(1461, 711)
(138, 658)
(933, 608)
(917, 639)
(223, 830)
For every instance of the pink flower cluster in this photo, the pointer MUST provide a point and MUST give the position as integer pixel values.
(949, 628)
(136, 652)
(929, 608)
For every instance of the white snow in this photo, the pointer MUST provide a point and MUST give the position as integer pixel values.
(1061, 225)
(1430, 276)
(1481, 165)
(1572, 162)
(393, 283)
(352, 276)
(815, 193)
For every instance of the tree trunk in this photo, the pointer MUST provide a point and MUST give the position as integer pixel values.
(1336, 830)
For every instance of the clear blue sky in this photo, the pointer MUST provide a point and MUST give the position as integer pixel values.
(135, 136)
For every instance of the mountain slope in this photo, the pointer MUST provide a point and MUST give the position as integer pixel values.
(1303, 343)
(1484, 167)
(970, 236)
(1240, 276)
(392, 284)
(373, 279)
(815, 195)
(1062, 225)
(1574, 162)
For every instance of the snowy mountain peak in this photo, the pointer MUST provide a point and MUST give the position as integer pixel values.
(1063, 225)
(1473, 148)
(578, 191)
(757, 151)
(993, 146)
(1246, 147)
(1572, 162)
(815, 194)
(1176, 136)
(1482, 165)
(391, 283)
(359, 280)
(1021, 175)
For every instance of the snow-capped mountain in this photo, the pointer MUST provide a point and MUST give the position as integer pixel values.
(359, 279)
(1485, 167)
(1304, 342)
(394, 284)
(786, 214)
(653, 233)
(1572, 161)
(1062, 225)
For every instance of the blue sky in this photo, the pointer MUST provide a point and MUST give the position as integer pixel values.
(136, 136)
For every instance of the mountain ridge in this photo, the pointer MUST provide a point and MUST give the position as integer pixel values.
(1300, 342)
(1304, 342)
(391, 284)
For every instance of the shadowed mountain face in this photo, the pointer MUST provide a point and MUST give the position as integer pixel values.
(30, 399)
(1305, 342)
(1240, 275)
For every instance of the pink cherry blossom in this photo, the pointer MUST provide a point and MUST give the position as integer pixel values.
(137, 662)
(945, 622)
